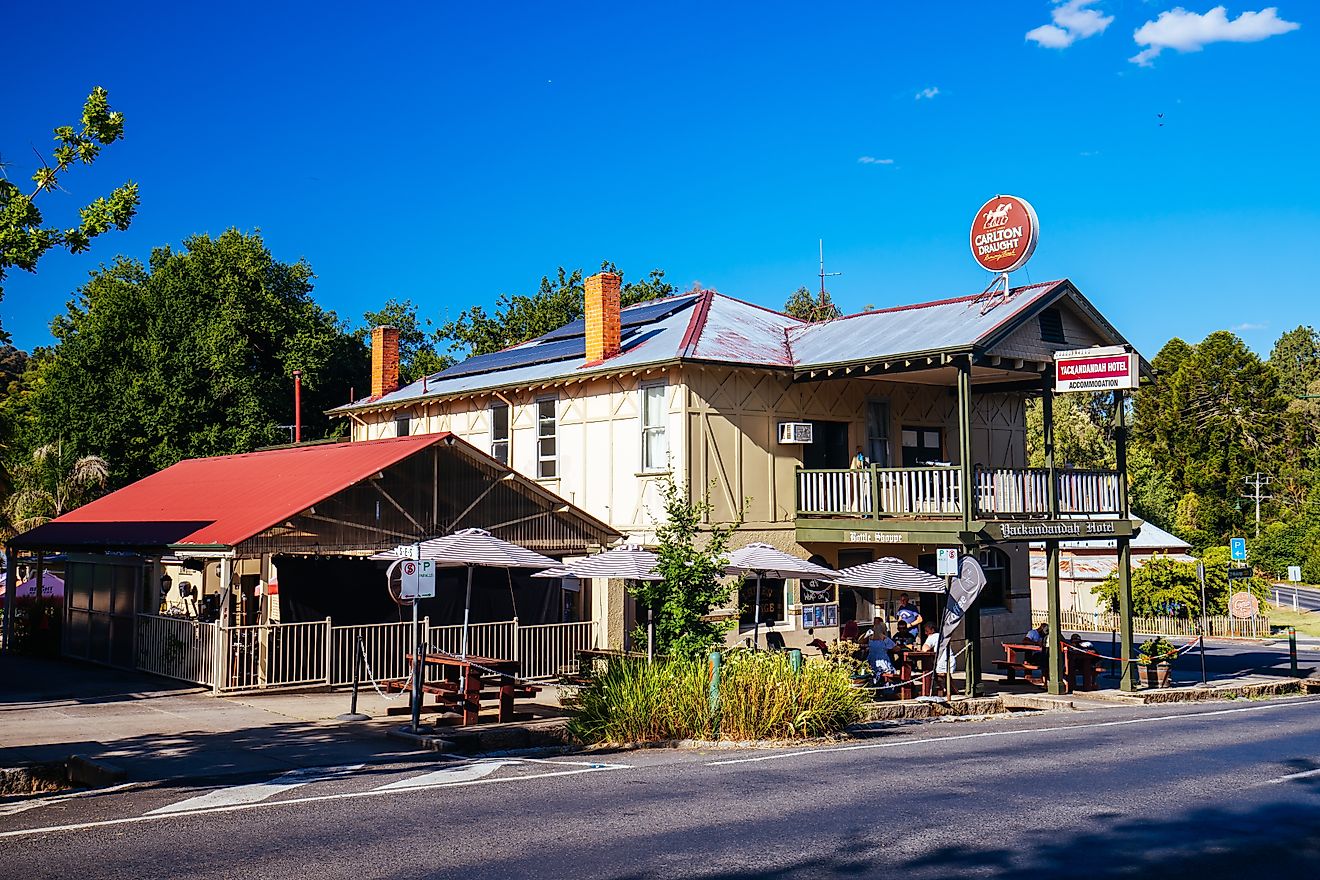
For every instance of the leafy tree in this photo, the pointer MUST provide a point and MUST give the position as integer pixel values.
(417, 354)
(50, 483)
(559, 301)
(806, 306)
(1083, 434)
(692, 560)
(1164, 587)
(1214, 418)
(192, 355)
(23, 237)
(1296, 357)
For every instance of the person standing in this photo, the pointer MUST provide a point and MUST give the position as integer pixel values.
(907, 614)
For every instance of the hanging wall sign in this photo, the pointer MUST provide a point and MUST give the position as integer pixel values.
(1004, 233)
(1095, 369)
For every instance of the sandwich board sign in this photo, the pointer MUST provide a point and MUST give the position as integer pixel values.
(417, 579)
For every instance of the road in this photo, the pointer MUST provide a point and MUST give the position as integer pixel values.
(1308, 598)
(1195, 790)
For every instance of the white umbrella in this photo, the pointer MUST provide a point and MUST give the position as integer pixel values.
(466, 548)
(764, 561)
(628, 562)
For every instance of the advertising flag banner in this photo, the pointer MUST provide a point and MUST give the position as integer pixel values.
(962, 594)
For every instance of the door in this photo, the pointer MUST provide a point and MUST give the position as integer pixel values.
(100, 606)
(877, 432)
(828, 447)
(922, 446)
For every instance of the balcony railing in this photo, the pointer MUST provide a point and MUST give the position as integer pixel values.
(935, 492)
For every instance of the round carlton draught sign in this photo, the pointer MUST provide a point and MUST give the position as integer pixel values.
(1004, 233)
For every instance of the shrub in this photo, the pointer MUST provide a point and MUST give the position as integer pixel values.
(1156, 650)
(629, 700)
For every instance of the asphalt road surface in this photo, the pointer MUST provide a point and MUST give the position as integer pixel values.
(1193, 790)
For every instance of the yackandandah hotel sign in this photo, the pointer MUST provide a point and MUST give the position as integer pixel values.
(1004, 233)
(1095, 369)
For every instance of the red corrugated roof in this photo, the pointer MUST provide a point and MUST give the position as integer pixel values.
(228, 499)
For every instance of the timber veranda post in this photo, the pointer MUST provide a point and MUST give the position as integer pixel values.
(1127, 671)
(1054, 644)
(11, 581)
(967, 488)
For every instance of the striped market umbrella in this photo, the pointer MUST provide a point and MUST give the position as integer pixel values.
(629, 562)
(763, 561)
(892, 574)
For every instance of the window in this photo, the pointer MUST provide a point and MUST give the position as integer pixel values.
(499, 432)
(655, 445)
(1051, 326)
(877, 432)
(402, 426)
(547, 452)
(922, 446)
(995, 564)
(773, 606)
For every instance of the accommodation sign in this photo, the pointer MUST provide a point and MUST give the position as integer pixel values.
(1095, 369)
(1004, 233)
(1066, 529)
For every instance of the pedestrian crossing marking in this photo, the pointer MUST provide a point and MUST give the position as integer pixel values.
(257, 791)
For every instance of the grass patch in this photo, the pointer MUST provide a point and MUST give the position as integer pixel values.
(1306, 622)
(761, 697)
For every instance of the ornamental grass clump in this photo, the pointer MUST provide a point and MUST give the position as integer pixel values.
(761, 697)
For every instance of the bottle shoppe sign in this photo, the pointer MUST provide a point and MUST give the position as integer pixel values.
(1004, 233)
(1095, 369)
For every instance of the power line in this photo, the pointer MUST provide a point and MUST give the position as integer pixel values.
(1256, 482)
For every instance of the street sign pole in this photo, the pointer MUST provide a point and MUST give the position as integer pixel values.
(1200, 575)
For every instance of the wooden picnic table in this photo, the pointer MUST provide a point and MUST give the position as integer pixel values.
(912, 662)
(1030, 657)
(464, 681)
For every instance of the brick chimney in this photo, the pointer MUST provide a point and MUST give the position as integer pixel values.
(602, 316)
(384, 360)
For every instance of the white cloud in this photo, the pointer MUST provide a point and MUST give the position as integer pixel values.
(1249, 326)
(927, 93)
(1191, 31)
(1073, 21)
(872, 160)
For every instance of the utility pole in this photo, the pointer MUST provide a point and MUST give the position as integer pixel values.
(1256, 482)
(823, 273)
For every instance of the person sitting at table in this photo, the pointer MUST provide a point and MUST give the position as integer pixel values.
(904, 637)
(908, 615)
(849, 631)
(1080, 644)
(877, 654)
(945, 662)
(1039, 636)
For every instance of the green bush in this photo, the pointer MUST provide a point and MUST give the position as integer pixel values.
(629, 700)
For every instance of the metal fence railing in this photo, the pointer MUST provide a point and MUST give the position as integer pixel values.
(288, 655)
(552, 649)
(1217, 625)
(177, 647)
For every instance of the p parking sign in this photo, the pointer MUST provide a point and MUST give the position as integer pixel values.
(946, 562)
(1237, 549)
(417, 579)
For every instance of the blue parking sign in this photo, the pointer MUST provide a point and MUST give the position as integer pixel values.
(1237, 548)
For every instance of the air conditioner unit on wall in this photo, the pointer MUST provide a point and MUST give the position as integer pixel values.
(795, 432)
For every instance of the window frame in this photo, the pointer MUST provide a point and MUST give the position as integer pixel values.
(1005, 585)
(507, 439)
(404, 423)
(542, 472)
(648, 430)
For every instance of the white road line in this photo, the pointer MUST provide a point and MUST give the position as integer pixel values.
(447, 775)
(1291, 776)
(257, 791)
(992, 733)
(24, 806)
(341, 796)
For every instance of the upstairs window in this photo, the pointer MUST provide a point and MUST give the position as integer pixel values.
(402, 426)
(499, 432)
(1051, 326)
(547, 450)
(655, 444)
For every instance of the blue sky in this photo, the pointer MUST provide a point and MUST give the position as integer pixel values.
(450, 152)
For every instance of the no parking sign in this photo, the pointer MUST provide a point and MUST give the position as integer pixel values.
(417, 579)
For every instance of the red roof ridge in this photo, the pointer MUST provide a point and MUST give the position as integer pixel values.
(761, 307)
(932, 303)
(696, 324)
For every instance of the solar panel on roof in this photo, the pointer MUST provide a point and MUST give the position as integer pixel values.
(523, 356)
(630, 317)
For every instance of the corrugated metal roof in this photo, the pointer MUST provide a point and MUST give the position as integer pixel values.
(716, 328)
(948, 324)
(223, 500)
